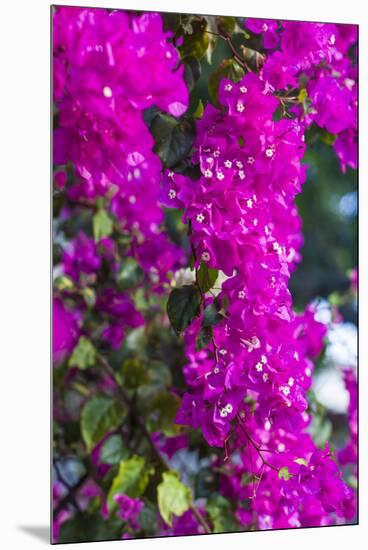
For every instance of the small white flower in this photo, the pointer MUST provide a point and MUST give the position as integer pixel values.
(296, 355)
(269, 152)
(172, 194)
(207, 174)
(241, 294)
(228, 163)
(170, 174)
(107, 91)
(220, 176)
(308, 371)
(264, 359)
(223, 351)
(228, 87)
(259, 367)
(243, 89)
(291, 382)
(281, 447)
(264, 27)
(216, 370)
(209, 159)
(250, 160)
(241, 174)
(239, 164)
(249, 203)
(267, 425)
(285, 390)
(332, 39)
(200, 218)
(265, 377)
(206, 256)
(229, 408)
(240, 106)
(255, 222)
(216, 153)
(223, 413)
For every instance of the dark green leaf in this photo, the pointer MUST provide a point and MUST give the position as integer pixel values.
(203, 338)
(174, 498)
(130, 274)
(85, 527)
(211, 316)
(162, 412)
(192, 71)
(100, 415)
(195, 39)
(113, 450)
(221, 514)
(206, 277)
(133, 373)
(173, 138)
(183, 305)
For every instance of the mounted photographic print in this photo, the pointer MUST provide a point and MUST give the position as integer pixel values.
(205, 274)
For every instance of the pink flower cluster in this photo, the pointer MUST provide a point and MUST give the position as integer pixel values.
(316, 56)
(109, 67)
(251, 380)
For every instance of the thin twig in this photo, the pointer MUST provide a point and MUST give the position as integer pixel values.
(124, 398)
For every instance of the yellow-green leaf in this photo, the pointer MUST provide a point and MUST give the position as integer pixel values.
(174, 498)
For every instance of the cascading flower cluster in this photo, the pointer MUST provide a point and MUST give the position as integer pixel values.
(253, 377)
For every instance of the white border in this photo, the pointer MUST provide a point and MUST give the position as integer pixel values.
(24, 219)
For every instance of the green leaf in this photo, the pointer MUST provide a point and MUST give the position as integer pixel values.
(173, 138)
(131, 480)
(229, 68)
(133, 374)
(192, 71)
(159, 377)
(203, 338)
(113, 450)
(301, 461)
(148, 519)
(321, 429)
(130, 274)
(195, 39)
(102, 224)
(162, 412)
(84, 354)
(182, 306)
(206, 277)
(85, 527)
(211, 316)
(100, 415)
(64, 283)
(226, 24)
(221, 514)
(198, 113)
(284, 473)
(173, 497)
